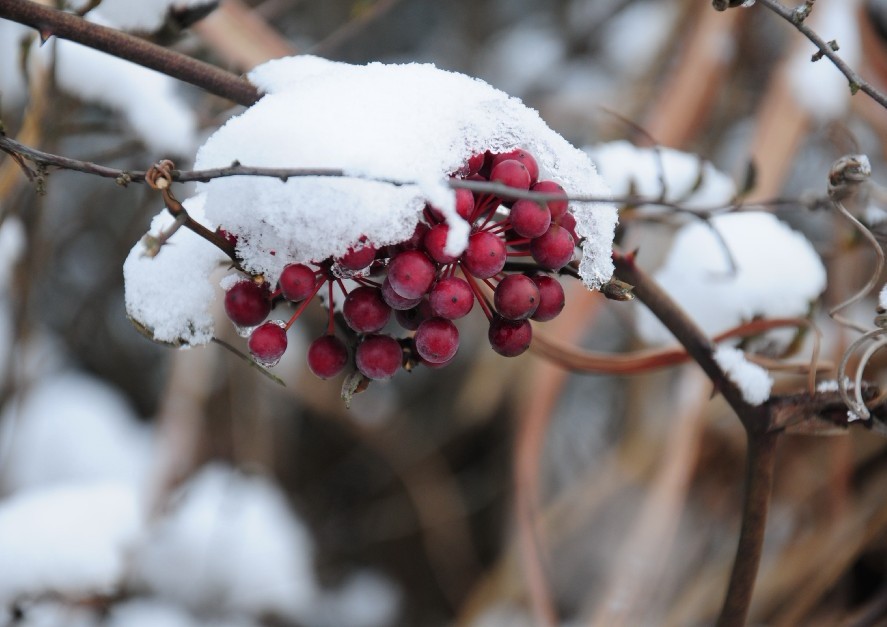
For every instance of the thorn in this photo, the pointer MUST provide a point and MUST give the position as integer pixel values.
(45, 34)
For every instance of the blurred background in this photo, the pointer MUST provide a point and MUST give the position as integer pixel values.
(143, 485)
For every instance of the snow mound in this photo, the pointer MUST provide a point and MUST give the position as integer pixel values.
(406, 126)
(753, 381)
(777, 274)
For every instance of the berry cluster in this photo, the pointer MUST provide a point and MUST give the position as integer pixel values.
(423, 287)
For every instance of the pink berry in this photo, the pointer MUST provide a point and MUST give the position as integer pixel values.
(510, 338)
(516, 297)
(411, 274)
(437, 340)
(435, 242)
(511, 173)
(395, 300)
(529, 218)
(485, 255)
(378, 356)
(267, 343)
(247, 303)
(327, 356)
(451, 298)
(521, 155)
(557, 207)
(358, 259)
(464, 202)
(551, 298)
(297, 282)
(365, 311)
(554, 249)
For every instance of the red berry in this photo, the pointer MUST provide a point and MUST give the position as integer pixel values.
(395, 300)
(364, 309)
(435, 242)
(327, 356)
(557, 207)
(475, 163)
(485, 255)
(511, 173)
(410, 319)
(416, 238)
(267, 343)
(247, 303)
(551, 298)
(437, 340)
(451, 298)
(521, 155)
(297, 282)
(554, 249)
(510, 337)
(516, 297)
(358, 259)
(411, 274)
(529, 218)
(378, 356)
(464, 202)
(568, 221)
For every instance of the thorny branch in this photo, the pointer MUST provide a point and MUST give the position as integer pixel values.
(796, 18)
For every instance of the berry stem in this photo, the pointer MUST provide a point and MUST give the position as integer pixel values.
(330, 329)
(478, 294)
(304, 304)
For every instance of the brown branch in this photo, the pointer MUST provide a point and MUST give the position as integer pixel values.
(796, 19)
(51, 22)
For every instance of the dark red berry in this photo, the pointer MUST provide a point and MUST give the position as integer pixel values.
(267, 343)
(411, 274)
(410, 319)
(529, 218)
(554, 249)
(511, 173)
(364, 309)
(521, 155)
(327, 356)
(297, 282)
(475, 163)
(416, 238)
(247, 303)
(485, 255)
(556, 207)
(451, 298)
(437, 340)
(551, 298)
(568, 221)
(395, 300)
(510, 337)
(378, 356)
(229, 237)
(358, 259)
(464, 202)
(435, 242)
(516, 297)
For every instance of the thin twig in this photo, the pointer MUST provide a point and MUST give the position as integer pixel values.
(51, 22)
(793, 17)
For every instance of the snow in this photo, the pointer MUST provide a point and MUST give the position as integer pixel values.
(37, 432)
(148, 100)
(69, 539)
(230, 543)
(635, 36)
(689, 179)
(138, 15)
(820, 88)
(753, 381)
(170, 294)
(413, 124)
(882, 297)
(778, 274)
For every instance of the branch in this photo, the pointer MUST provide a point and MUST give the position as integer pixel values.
(51, 22)
(796, 19)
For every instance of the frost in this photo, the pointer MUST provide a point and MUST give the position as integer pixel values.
(68, 539)
(170, 294)
(231, 543)
(777, 274)
(753, 381)
(410, 124)
(688, 179)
